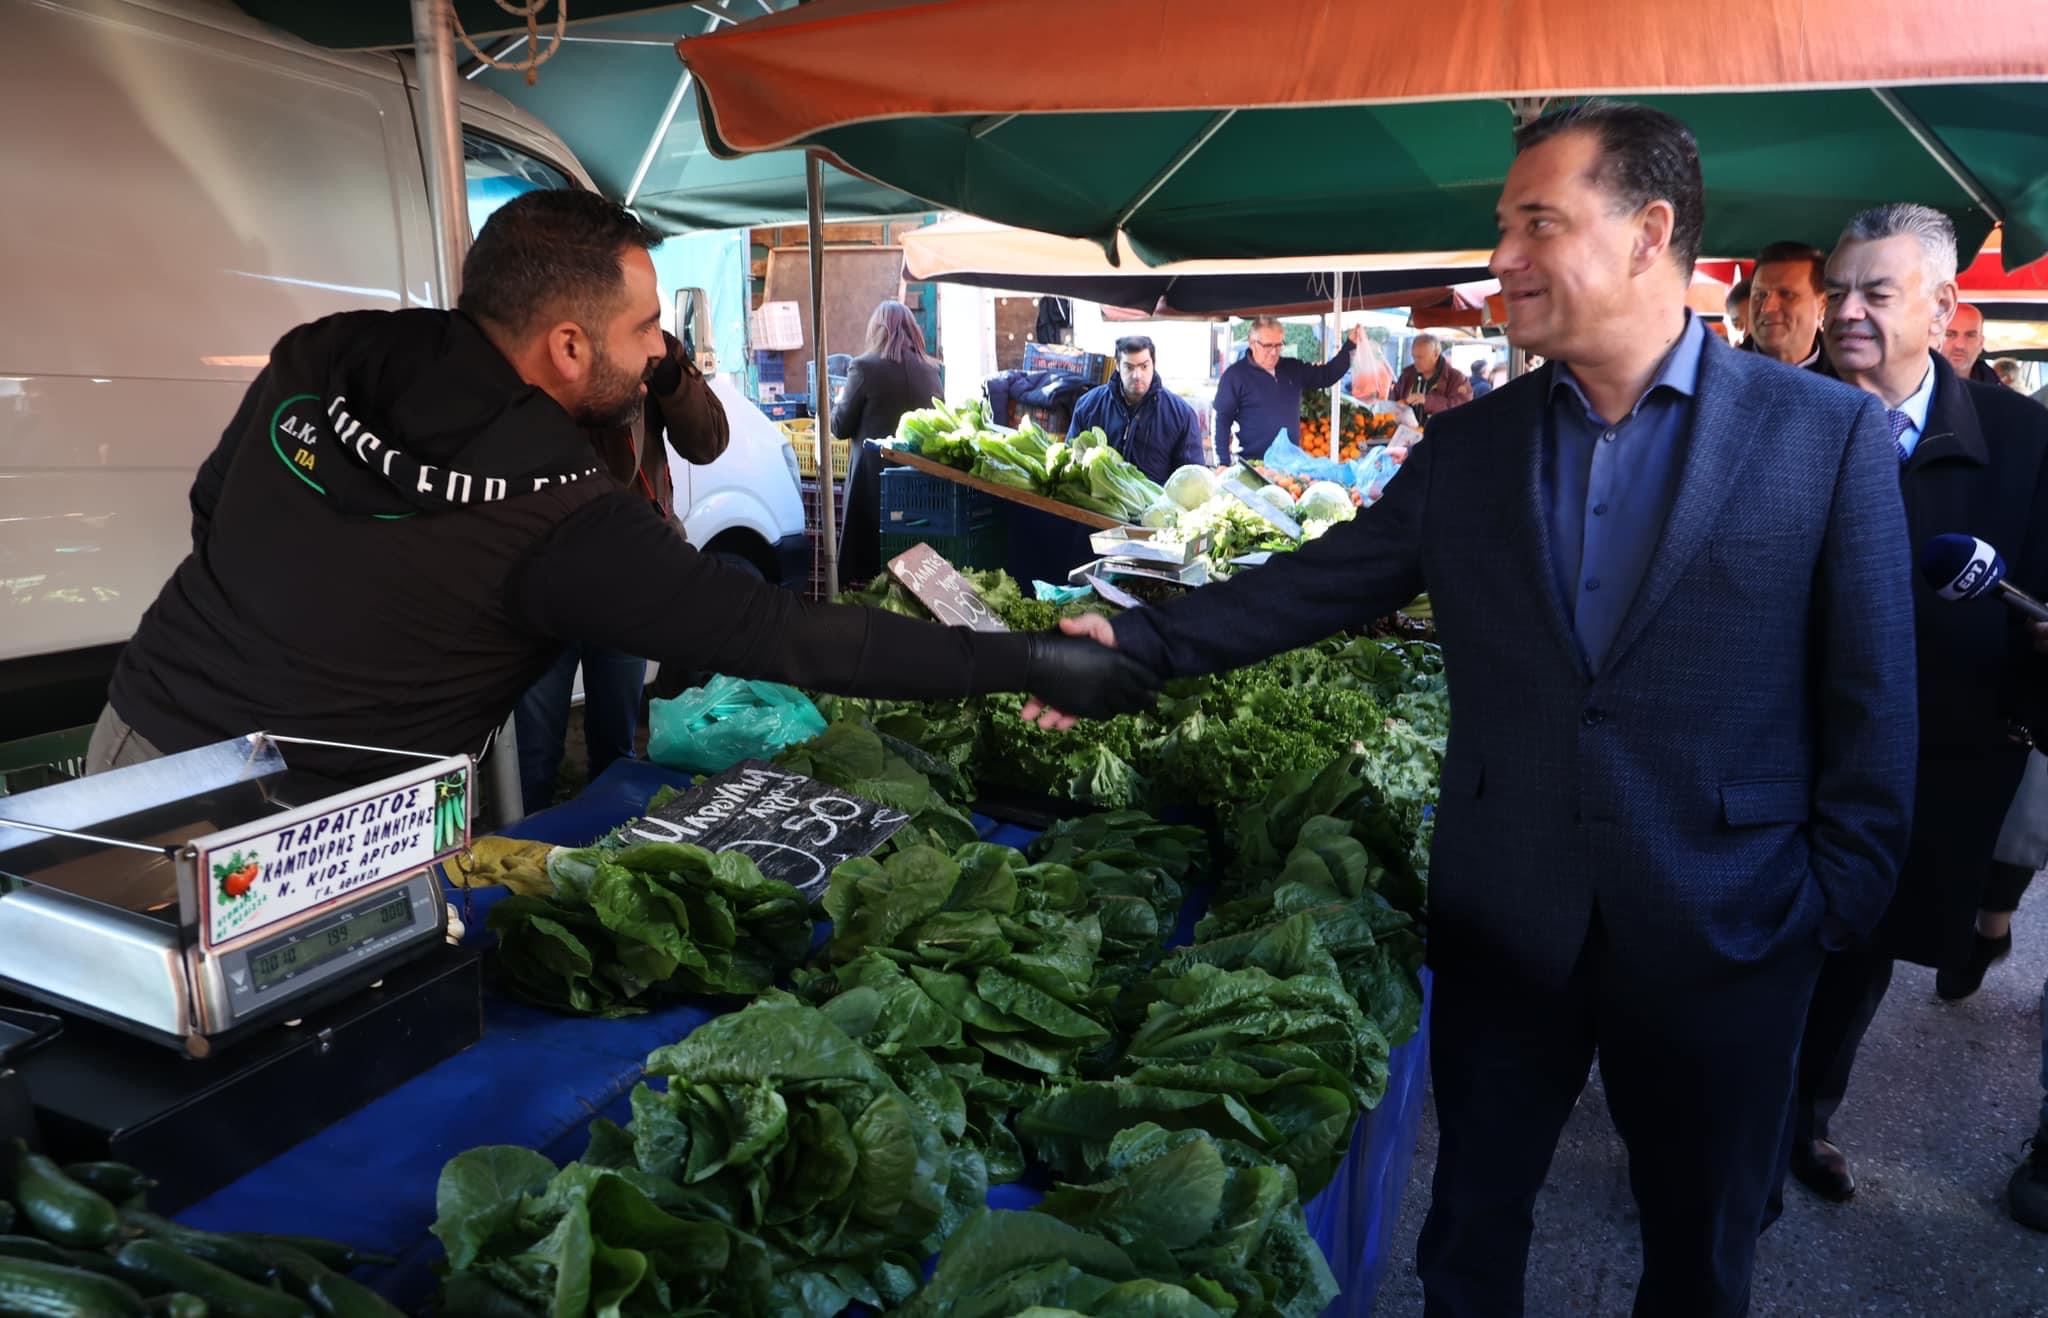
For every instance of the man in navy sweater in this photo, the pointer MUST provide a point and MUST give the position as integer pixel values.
(1682, 743)
(1260, 393)
(1149, 424)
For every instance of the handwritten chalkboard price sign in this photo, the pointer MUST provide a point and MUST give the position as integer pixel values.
(793, 828)
(951, 597)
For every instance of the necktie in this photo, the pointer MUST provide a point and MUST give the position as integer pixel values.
(1901, 423)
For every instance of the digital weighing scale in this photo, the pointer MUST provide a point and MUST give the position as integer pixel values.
(194, 899)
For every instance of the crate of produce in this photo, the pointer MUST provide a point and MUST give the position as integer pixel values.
(807, 458)
(925, 505)
(802, 435)
(984, 546)
(1090, 366)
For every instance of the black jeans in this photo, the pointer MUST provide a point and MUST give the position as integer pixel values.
(1699, 1079)
(611, 716)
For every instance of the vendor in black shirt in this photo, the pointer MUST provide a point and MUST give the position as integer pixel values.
(406, 520)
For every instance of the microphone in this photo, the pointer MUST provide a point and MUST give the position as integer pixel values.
(1962, 567)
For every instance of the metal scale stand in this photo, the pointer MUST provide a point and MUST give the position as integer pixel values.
(241, 954)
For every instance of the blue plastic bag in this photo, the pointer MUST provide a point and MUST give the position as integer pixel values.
(1048, 593)
(710, 728)
(1376, 468)
(1288, 456)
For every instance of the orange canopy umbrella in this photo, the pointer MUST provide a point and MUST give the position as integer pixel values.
(1216, 128)
(864, 60)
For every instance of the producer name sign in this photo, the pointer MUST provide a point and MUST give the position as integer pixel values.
(253, 878)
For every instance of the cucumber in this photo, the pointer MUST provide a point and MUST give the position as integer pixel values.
(177, 1305)
(334, 1295)
(116, 1180)
(237, 1256)
(328, 1253)
(29, 1247)
(30, 1288)
(58, 1207)
(158, 1266)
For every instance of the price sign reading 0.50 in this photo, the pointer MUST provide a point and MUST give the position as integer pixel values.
(278, 963)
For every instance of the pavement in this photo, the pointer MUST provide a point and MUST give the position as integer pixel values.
(1943, 1096)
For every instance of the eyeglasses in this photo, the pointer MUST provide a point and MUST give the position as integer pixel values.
(1268, 346)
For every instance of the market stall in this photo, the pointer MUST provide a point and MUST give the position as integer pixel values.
(1076, 950)
(538, 1079)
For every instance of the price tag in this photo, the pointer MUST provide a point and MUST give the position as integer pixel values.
(951, 598)
(793, 828)
(1123, 599)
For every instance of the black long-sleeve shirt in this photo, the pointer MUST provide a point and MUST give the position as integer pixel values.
(299, 612)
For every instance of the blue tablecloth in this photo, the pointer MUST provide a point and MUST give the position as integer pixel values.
(536, 1079)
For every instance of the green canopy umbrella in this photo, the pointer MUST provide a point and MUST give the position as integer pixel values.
(1320, 127)
(617, 95)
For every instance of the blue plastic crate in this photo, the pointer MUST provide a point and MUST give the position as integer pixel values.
(916, 502)
(985, 546)
(787, 408)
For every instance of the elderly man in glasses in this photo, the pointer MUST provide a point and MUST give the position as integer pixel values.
(1260, 393)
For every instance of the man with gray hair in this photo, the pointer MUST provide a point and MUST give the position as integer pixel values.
(1260, 393)
(1972, 458)
(1431, 384)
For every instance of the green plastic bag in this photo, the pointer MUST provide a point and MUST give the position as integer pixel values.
(710, 728)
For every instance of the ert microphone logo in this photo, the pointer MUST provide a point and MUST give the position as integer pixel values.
(1966, 585)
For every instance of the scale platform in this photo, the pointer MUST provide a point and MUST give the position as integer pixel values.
(197, 899)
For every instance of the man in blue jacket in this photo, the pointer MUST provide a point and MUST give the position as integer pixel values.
(1674, 593)
(1260, 393)
(1145, 421)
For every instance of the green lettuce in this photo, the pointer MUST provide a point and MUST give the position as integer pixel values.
(625, 930)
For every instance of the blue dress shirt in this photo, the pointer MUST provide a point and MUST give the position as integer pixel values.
(1609, 488)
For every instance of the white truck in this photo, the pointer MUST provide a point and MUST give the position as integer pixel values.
(183, 185)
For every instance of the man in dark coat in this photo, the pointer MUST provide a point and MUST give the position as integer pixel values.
(1144, 420)
(1785, 305)
(1429, 383)
(1973, 459)
(1681, 746)
(1963, 344)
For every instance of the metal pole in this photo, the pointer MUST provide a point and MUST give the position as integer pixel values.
(1337, 388)
(668, 117)
(1172, 167)
(433, 39)
(1932, 144)
(821, 388)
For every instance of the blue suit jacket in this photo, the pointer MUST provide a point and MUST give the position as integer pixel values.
(1741, 767)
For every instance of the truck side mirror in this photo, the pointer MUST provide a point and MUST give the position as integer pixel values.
(693, 327)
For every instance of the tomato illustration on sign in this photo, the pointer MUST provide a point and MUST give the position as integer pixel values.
(236, 875)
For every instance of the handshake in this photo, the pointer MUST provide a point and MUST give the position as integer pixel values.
(1076, 673)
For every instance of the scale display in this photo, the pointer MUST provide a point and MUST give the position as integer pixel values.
(273, 965)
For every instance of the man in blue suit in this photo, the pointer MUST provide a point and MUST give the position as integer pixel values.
(1673, 589)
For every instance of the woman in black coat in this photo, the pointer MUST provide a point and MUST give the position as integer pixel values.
(892, 377)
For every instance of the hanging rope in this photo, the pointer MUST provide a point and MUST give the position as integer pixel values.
(535, 57)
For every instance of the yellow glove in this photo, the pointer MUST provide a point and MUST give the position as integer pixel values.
(513, 863)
